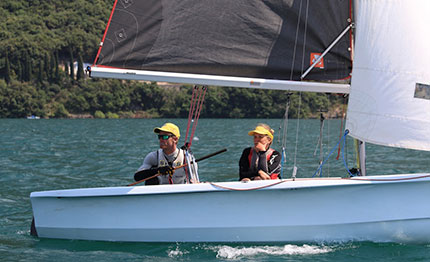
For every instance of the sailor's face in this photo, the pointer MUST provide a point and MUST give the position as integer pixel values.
(167, 141)
(261, 142)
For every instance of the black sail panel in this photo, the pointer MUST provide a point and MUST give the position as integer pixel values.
(270, 39)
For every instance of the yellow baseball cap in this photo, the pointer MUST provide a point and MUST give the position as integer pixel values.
(168, 127)
(262, 131)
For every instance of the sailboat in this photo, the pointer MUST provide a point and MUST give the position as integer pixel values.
(299, 45)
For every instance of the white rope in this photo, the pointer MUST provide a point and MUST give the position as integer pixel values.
(297, 130)
(295, 41)
(304, 36)
(300, 93)
(283, 128)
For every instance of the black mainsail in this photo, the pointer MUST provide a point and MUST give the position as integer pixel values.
(263, 39)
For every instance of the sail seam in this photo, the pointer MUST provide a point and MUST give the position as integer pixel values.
(397, 145)
(404, 118)
(391, 71)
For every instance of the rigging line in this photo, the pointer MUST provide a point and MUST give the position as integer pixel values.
(284, 134)
(320, 140)
(300, 93)
(297, 128)
(105, 33)
(327, 131)
(304, 36)
(328, 141)
(199, 109)
(341, 123)
(285, 127)
(195, 109)
(347, 153)
(190, 113)
(343, 156)
(295, 41)
(282, 139)
(322, 164)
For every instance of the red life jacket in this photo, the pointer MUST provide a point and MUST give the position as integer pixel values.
(268, 155)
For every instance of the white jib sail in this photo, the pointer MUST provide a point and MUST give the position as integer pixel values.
(389, 100)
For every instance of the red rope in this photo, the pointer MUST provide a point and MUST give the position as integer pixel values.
(104, 35)
(198, 109)
(190, 112)
(196, 105)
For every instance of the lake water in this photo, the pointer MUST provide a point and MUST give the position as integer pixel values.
(37, 155)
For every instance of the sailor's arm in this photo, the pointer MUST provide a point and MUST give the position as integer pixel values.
(244, 171)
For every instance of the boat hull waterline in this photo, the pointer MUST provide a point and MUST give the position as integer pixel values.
(390, 208)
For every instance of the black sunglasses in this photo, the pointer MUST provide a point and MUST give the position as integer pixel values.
(164, 137)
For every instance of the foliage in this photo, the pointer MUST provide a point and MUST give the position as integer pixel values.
(21, 99)
(60, 111)
(99, 114)
(112, 115)
(38, 27)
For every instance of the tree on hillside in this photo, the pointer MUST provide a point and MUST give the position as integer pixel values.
(27, 67)
(66, 68)
(47, 67)
(40, 73)
(20, 71)
(72, 71)
(57, 70)
(51, 73)
(7, 71)
(80, 73)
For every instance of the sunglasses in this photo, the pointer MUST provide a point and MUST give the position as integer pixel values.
(164, 137)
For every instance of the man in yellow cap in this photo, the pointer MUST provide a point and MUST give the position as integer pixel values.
(164, 160)
(260, 162)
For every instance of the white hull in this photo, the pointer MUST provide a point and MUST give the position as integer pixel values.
(306, 210)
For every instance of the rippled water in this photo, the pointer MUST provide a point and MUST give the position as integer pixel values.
(39, 155)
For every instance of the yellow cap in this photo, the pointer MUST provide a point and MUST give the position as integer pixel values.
(170, 128)
(262, 131)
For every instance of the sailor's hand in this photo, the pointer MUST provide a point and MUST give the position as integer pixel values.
(259, 147)
(263, 175)
(166, 170)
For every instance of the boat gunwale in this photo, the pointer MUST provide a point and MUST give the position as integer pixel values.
(209, 187)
